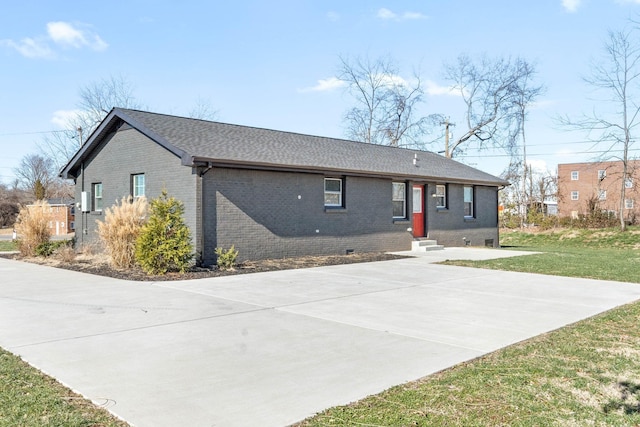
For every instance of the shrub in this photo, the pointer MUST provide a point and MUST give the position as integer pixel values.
(227, 259)
(46, 249)
(164, 243)
(32, 226)
(120, 229)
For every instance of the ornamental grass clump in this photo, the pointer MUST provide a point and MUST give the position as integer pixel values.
(164, 243)
(121, 228)
(32, 226)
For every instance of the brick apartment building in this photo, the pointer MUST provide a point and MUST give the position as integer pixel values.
(61, 216)
(580, 182)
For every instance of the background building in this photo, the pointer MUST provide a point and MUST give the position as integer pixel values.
(585, 186)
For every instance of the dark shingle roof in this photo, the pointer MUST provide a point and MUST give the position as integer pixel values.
(225, 144)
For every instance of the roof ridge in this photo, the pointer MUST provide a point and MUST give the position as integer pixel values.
(278, 131)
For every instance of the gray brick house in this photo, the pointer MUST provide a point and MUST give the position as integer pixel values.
(278, 194)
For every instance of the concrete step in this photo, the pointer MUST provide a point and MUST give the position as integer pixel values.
(423, 245)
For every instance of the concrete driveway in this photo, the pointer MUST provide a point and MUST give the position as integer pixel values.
(270, 349)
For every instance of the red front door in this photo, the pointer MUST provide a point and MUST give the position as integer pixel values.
(418, 211)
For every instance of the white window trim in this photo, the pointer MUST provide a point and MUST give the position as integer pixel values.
(94, 205)
(576, 194)
(628, 183)
(441, 196)
(575, 175)
(602, 174)
(135, 187)
(403, 200)
(472, 211)
(628, 203)
(339, 193)
(602, 195)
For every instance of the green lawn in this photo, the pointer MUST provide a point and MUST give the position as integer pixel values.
(602, 254)
(7, 245)
(29, 398)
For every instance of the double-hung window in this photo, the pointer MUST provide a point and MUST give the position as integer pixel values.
(468, 202)
(333, 197)
(137, 185)
(574, 175)
(628, 183)
(602, 174)
(575, 195)
(602, 195)
(441, 196)
(96, 202)
(399, 200)
(628, 203)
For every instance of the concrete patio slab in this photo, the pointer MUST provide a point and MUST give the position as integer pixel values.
(270, 349)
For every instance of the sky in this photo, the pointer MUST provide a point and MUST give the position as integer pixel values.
(274, 64)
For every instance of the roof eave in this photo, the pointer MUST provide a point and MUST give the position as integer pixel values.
(195, 161)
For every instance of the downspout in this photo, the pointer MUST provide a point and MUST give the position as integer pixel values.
(82, 217)
(200, 220)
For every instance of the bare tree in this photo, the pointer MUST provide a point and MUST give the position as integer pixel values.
(525, 93)
(96, 100)
(36, 174)
(203, 110)
(617, 75)
(489, 88)
(386, 104)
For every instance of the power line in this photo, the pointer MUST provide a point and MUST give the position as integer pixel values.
(543, 154)
(33, 132)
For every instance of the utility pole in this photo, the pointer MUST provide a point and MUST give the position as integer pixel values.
(80, 135)
(446, 137)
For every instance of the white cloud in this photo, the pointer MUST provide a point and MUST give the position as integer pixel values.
(325, 85)
(571, 6)
(433, 88)
(386, 14)
(333, 16)
(64, 118)
(65, 34)
(30, 48)
(62, 34)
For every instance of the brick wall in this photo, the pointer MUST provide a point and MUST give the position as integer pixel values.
(59, 218)
(450, 227)
(280, 214)
(125, 153)
(579, 182)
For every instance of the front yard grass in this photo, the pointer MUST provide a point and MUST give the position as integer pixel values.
(28, 398)
(7, 246)
(594, 254)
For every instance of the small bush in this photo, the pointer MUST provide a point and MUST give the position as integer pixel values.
(32, 226)
(164, 243)
(120, 229)
(227, 259)
(46, 249)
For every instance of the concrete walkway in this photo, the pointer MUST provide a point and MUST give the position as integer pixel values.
(270, 349)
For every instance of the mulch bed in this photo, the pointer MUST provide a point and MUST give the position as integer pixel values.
(136, 273)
